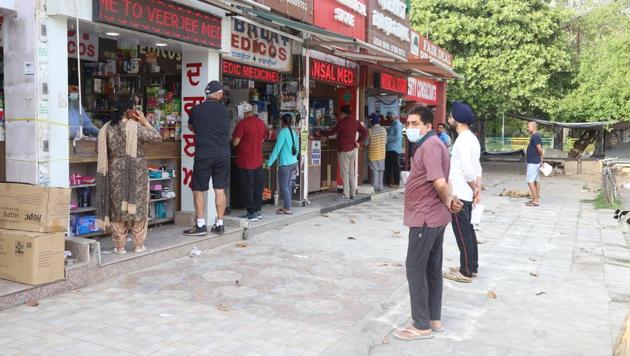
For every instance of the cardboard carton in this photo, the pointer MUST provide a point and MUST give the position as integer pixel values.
(31, 257)
(34, 208)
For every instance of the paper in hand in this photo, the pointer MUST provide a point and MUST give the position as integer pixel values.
(476, 214)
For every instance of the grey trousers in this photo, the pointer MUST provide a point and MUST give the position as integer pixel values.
(377, 168)
(348, 172)
(424, 274)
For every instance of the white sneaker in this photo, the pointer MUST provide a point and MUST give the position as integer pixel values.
(122, 251)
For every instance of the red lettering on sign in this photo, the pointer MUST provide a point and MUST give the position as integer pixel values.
(333, 73)
(164, 18)
(192, 101)
(189, 148)
(193, 74)
(249, 72)
(187, 176)
(393, 83)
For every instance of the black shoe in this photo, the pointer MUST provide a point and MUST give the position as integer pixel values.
(259, 215)
(252, 217)
(218, 229)
(196, 231)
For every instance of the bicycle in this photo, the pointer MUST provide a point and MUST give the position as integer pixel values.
(608, 179)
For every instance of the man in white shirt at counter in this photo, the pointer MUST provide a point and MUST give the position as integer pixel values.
(465, 179)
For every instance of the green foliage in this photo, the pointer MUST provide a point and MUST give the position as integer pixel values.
(512, 53)
(601, 202)
(601, 89)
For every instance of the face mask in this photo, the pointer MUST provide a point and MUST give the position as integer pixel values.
(73, 96)
(414, 135)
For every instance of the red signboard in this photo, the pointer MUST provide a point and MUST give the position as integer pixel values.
(345, 17)
(244, 71)
(391, 82)
(162, 18)
(422, 91)
(333, 73)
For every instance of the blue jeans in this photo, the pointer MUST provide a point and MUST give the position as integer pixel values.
(285, 183)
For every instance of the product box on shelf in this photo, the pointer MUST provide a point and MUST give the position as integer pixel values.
(81, 225)
(31, 257)
(34, 208)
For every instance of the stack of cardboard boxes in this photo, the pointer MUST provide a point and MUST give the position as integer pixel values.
(33, 222)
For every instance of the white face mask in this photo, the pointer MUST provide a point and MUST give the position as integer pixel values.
(73, 96)
(414, 135)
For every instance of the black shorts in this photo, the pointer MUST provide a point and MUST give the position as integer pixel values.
(217, 168)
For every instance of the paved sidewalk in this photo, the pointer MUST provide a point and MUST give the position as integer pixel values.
(336, 285)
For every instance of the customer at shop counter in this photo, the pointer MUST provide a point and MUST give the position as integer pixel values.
(394, 149)
(248, 137)
(443, 134)
(122, 180)
(346, 130)
(211, 124)
(465, 179)
(428, 209)
(376, 152)
(77, 116)
(286, 149)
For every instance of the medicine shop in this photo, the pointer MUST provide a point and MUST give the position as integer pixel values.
(135, 57)
(333, 84)
(252, 73)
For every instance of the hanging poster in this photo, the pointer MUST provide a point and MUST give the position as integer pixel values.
(288, 95)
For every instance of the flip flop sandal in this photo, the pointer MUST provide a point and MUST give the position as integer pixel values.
(415, 335)
(457, 277)
(283, 212)
(531, 204)
(440, 330)
(456, 269)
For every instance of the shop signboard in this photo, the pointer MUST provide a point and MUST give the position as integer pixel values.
(161, 18)
(298, 9)
(414, 44)
(388, 26)
(333, 73)
(391, 82)
(253, 45)
(87, 48)
(422, 90)
(423, 48)
(239, 70)
(345, 17)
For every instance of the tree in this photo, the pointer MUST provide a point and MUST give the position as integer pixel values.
(601, 89)
(512, 53)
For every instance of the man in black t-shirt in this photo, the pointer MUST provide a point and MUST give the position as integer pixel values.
(210, 123)
(534, 162)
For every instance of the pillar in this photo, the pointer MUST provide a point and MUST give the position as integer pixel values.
(36, 97)
(199, 67)
(440, 108)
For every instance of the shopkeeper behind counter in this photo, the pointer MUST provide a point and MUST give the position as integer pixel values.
(77, 117)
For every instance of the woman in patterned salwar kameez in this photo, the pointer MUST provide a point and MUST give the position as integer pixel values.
(122, 179)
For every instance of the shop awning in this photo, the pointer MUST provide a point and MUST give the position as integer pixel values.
(330, 39)
(566, 125)
(431, 66)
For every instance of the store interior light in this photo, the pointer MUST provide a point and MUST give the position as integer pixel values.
(383, 94)
(161, 44)
(112, 33)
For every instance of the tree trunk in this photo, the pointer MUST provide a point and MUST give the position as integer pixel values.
(558, 139)
(481, 133)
